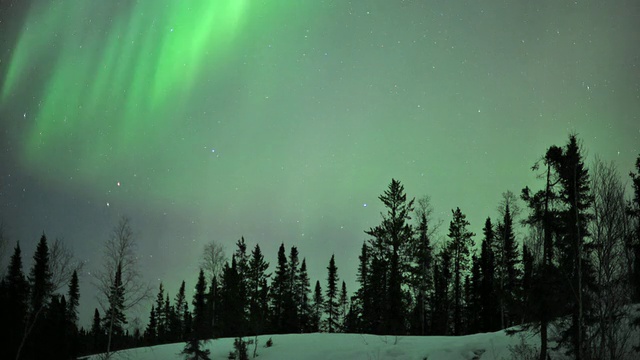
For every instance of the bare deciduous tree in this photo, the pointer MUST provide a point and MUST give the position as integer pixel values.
(611, 334)
(213, 259)
(62, 264)
(120, 251)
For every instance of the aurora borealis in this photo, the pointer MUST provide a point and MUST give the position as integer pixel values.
(284, 120)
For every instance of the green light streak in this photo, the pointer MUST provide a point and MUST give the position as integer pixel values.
(111, 79)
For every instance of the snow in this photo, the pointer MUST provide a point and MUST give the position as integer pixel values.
(488, 346)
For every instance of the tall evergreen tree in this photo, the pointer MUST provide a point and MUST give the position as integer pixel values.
(317, 308)
(303, 289)
(177, 321)
(441, 299)
(422, 267)
(459, 247)
(115, 318)
(489, 313)
(16, 304)
(280, 294)
(74, 299)
(233, 321)
(150, 334)
(161, 330)
(363, 294)
(97, 332)
(291, 301)
(256, 288)
(473, 287)
(331, 305)
(343, 303)
(508, 268)
(390, 243)
(200, 323)
(544, 219)
(574, 249)
(40, 278)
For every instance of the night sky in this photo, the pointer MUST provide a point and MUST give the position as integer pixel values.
(282, 121)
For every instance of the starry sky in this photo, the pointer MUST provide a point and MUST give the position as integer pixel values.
(282, 121)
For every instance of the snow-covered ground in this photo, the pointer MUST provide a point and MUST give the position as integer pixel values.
(489, 346)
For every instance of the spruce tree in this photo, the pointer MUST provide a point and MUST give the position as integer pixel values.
(473, 287)
(150, 334)
(200, 309)
(544, 218)
(97, 332)
(232, 300)
(489, 313)
(390, 243)
(40, 278)
(508, 268)
(291, 301)
(317, 308)
(74, 299)
(280, 294)
(256, 287)
(331, 305)
(161, 330)
(459, 247)
(363, 295)
(115, 319)
(343, 303)
(303, 289)
(441, 299)
(422, 268)
(177, 322)
(16, 305)
(574, 249)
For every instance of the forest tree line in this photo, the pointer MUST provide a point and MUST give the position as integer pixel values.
(577, 268)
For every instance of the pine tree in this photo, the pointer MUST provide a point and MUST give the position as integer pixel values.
(363, 295)
(390, 242)
(422, 268)
(167, 311)
(441, 299)
(544, 218)
(343, 303)
(256, 287)
(40, 278)
(71, 314)
(14, 314)
(303, 289)
(161, 331)
(280, 294)
(508, 270)
(115, 319)
(573, 248)
(317, 308)
(459, 247)
(232, 315)
(74, 299)
(291, 314)
(212, 313)
(473, 285)
(200, 309)
(331, 305)
(489, 313)
(177, 319)
(527, 283)
(150, 333)
(97, 331)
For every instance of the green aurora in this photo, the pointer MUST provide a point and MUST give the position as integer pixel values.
(283, 120)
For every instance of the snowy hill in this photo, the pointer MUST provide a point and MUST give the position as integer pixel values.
(489, 346)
